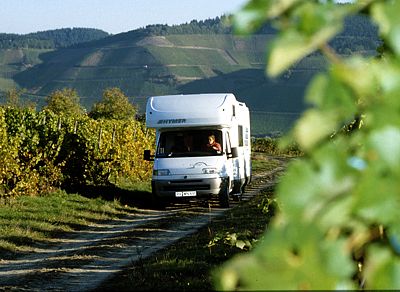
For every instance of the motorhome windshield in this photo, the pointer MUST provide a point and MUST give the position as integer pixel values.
(190, 143)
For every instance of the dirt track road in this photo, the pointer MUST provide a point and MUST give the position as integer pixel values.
(82, 260)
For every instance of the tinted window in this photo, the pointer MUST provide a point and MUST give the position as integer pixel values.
(240, 135)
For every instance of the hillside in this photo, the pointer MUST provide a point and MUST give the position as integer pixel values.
(197, 57)
(21, 52)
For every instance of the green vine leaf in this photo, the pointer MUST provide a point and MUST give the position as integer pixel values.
(382, 270)
(281, 262)
(337, 225)
(386, 15)
(256, 12)
(307, 134)
(313, 26)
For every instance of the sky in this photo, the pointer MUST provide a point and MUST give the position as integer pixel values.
(112, 16)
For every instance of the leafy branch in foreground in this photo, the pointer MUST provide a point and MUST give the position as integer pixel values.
(337, 227)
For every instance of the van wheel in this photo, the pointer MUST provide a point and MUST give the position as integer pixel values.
(224, 196)
(237, 197)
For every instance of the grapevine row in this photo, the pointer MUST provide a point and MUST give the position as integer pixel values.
(41, 151)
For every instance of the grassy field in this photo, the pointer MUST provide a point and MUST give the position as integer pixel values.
(26, 221)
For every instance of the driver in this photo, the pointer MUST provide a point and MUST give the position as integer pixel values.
(212, 144)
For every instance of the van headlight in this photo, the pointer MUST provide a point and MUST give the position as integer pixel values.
(161, 172)
(210, 170)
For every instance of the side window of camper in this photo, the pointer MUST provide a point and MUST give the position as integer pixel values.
(240, 135)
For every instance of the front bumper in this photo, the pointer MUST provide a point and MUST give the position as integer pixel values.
(204, 187)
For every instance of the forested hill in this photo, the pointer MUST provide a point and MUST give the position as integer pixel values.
(356, 25)
(51, 39)
(216, 25)
(364, 35)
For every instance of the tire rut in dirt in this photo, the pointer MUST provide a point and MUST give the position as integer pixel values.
(83, 261)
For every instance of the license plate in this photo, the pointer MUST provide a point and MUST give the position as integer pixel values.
(185, 194)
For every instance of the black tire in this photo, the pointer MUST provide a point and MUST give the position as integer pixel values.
(224, 196)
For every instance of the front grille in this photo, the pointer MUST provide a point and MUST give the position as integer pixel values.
(178, 186)
(186, 181)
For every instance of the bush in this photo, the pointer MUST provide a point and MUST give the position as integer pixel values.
(272, 146)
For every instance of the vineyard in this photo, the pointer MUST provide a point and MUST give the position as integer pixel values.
(42, 151)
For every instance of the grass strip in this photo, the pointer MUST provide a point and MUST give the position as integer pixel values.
(26, 221)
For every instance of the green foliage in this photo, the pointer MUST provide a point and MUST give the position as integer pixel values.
(30, 151)
(269, 205)
(337, 225)
(65, 101)
(271, 146)
(41, 151)
(114, 105)
(242, 240)
(13, 99)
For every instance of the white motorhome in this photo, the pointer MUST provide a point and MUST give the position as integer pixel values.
(186, 163)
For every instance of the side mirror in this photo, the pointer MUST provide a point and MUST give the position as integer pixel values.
(234, 153)
(147, 155)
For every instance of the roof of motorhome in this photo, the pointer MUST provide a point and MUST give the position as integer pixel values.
(190, 102)
(189, 110)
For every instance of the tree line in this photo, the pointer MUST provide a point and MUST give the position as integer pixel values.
(359, 33)
(51, 39)
(114, 104)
